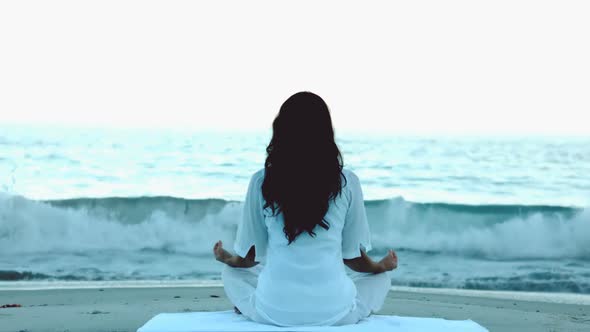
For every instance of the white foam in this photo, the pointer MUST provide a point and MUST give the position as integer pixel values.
(34, 227)
(50, 284)
(565, 298)
(462, 233)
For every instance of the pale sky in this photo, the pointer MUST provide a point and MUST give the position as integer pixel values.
(406, 66)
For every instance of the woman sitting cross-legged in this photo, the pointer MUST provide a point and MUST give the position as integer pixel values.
(304, 214)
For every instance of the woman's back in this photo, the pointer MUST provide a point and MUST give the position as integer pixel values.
(305, 282)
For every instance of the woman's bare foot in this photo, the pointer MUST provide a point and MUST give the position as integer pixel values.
(221, 254)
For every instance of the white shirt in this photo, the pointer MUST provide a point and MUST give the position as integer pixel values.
(305, 282)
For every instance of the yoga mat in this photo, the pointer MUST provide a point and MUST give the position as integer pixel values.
(229, 321)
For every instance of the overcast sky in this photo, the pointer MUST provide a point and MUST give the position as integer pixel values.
(492, 67)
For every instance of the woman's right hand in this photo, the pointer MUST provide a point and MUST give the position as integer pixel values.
(220, 253)
(224, 256)
(389, 262)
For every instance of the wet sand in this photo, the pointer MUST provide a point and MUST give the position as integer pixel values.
(126, 309)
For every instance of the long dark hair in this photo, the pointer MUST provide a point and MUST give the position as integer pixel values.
(303, 167)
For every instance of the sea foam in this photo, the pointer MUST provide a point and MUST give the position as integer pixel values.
(190, 226)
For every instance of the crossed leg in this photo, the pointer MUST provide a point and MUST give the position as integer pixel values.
(240, 285)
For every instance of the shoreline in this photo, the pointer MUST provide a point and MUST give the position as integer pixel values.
(125, 309)
(548, 297)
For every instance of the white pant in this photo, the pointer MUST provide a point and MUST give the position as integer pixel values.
(240, 283)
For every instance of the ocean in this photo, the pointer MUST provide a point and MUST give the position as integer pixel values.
(488, 213)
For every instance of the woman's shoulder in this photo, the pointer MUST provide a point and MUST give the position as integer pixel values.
(258, 174)
(349, 175)
(257, 177)
(350, 183)
(348, 172)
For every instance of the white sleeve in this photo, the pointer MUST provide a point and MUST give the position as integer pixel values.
(252, 229)
(355, 234)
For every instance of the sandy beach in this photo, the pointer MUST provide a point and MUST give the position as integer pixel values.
(126, 309)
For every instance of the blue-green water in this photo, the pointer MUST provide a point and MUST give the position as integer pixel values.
(470, 212)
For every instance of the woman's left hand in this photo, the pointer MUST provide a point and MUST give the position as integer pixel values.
(389, 262)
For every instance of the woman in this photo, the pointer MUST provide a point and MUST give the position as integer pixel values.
(304, 213)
